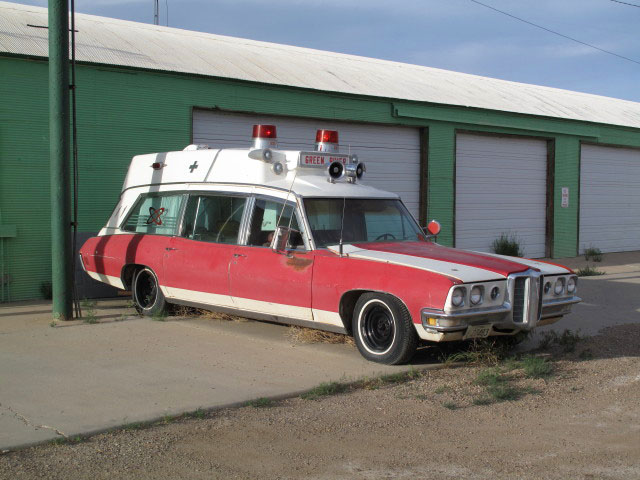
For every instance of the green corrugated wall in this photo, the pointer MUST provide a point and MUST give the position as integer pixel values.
(124, 112)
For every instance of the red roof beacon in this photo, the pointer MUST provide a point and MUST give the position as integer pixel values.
(264, 136)
(327, 141)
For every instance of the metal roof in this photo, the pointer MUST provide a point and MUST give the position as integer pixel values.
(118, 42)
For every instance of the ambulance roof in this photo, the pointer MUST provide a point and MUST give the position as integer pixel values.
(236, 167)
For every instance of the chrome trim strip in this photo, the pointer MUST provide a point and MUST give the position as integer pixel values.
(499, 312)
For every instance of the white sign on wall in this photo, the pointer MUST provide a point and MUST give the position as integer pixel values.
(565, 197)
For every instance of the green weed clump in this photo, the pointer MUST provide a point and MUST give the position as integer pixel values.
(593, 253)
(589, 271)
(536, 367)
(507, 244)
(89, 311)
(325, 389)
(261, 402)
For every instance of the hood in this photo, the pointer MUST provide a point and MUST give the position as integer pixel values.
(464, 266)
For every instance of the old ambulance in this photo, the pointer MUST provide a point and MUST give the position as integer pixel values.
(296, 237)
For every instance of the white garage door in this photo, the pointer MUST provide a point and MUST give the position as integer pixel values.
(609, 198)
(501, 188)
(391, 154)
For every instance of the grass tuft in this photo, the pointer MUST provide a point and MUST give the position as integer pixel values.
(504, 392)
(482, 401)
(593, 253)
(567, 340)
(489, 377)
(325, 389)
(450, 405)
(89, 311)
(507, 244)
(589, 271)
(261, 402)
(311, 335)
(536, 367)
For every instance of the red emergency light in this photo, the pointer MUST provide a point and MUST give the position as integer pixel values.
(330, 136)
(327, 141)
(264, 136)
(264, 131)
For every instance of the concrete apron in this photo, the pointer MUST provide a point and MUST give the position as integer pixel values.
(77, 379)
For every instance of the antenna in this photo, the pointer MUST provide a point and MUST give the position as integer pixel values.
(344, 203)
(156, 12)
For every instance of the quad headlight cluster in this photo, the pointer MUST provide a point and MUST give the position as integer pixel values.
(560, 286)
(482, 294)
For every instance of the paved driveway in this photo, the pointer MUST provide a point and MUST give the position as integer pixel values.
(80, 378)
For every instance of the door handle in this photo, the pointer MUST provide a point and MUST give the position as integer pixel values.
(168, 249)
(236, 255)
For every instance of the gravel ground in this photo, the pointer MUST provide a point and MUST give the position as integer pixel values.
(582, 422)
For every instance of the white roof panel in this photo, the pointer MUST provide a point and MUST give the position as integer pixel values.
(118, 42)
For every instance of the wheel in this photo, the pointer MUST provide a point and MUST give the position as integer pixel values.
(383, 329)
(147, 295)
(386, 236)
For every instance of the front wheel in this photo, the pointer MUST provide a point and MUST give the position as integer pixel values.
(147, 295)
(383, 330)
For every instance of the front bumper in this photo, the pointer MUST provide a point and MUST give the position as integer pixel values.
(453, 325)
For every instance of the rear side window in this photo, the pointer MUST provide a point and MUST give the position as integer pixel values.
(156, 214)
(210, 218)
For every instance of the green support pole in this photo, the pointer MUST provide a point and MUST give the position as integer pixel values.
(61, 259)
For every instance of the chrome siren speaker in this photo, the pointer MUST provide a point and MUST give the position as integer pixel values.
(335, 171)
(360, 169)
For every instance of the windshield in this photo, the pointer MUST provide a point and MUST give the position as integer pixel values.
(365, 220)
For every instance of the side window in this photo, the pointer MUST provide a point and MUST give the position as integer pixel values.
(157, 214)
(213, 218)
(265, 217)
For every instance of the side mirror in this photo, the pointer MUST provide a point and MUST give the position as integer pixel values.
(432, 229)
(280, 239)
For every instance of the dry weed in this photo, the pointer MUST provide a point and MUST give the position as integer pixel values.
(311, 335)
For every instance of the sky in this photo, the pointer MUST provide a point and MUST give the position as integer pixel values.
(458, 35)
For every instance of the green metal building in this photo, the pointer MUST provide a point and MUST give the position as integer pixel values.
(560, 170)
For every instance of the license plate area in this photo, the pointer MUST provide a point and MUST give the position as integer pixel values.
(477, 331)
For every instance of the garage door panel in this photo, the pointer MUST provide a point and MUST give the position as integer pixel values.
(392, 154)
(609, 199)
(501, 188)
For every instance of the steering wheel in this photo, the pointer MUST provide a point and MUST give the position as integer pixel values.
(386, 236)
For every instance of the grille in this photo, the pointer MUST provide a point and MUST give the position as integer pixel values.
(519, 299)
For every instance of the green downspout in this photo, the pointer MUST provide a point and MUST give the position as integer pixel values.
(61, 259)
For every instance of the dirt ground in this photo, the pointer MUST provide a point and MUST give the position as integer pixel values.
(580, 421)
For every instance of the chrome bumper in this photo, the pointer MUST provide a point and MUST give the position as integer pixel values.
(499, 316)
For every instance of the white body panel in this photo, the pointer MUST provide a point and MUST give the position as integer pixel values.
(609, 198)
(460, 272)
(500, 188)
(391, 154)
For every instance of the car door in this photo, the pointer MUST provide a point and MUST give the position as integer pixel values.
(266, 282)
(197, 261)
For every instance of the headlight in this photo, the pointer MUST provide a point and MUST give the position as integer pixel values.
(476, 295)
(571, 285)
(457, 297)
(495, 291)
(559, 288)
(547, 287)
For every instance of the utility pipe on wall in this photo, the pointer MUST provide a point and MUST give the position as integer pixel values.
(61, 255)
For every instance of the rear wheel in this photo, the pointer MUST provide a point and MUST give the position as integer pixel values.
(147, 295)
(383, 330)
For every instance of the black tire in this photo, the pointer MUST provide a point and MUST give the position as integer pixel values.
(147, 296)
(383, 329)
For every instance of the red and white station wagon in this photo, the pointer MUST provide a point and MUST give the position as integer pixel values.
(295, 237)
